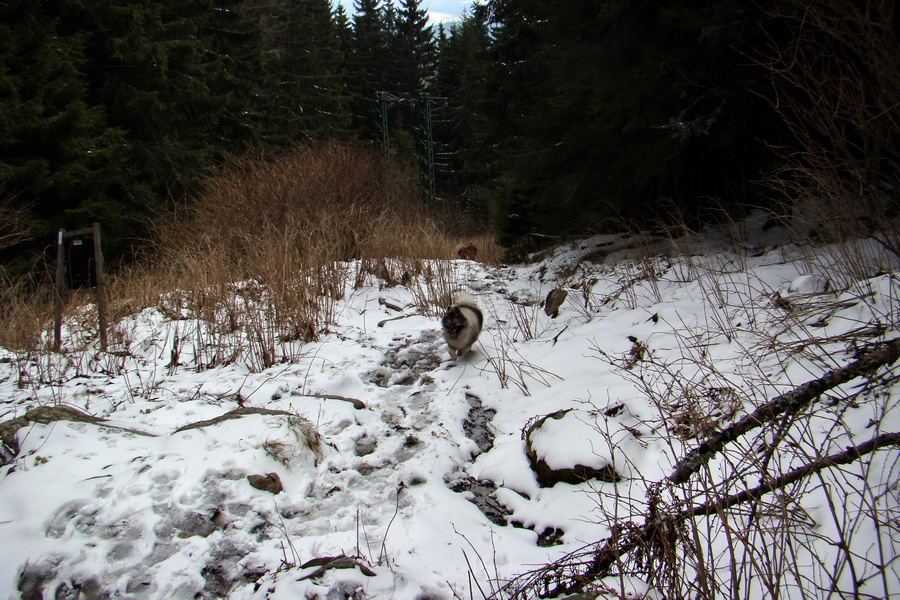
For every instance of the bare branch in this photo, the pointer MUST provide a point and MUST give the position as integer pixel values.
(12, 222)
(791, 402)
(661, 526)
(851, 454)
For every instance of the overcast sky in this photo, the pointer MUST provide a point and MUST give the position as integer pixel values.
(438, 10)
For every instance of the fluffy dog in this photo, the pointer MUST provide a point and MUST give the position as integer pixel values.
(461, 325)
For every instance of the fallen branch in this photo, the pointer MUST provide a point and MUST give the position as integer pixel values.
(9, 445)
(381, 323)
(598, 561)
(618, 545)
(851, 454)
(357, 404)
(791, 402)
(235, 414)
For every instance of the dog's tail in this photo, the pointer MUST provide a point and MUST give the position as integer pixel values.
(465, 299)
(469, 302)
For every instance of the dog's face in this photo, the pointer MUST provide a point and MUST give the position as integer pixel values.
(454, 321)
(461, 324)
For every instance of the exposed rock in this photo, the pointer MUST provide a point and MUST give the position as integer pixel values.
(548, 476)
(483, 496)
(366, 469)
(554, 300)
(551, 536)
(270, 482)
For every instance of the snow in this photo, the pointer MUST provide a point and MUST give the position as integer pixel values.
(653, 349)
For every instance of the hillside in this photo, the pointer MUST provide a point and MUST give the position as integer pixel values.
(131, 473)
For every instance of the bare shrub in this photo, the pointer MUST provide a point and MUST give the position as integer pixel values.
(25, 303)
(436, 288)
(14, 226)
(767, 506)
(261, 254)
(288, 224)
(836, 84)
(321, 203)
(26, 308)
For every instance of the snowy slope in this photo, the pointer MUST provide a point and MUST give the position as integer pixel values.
(412, 466)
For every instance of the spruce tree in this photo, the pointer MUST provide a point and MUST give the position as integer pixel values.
(343, 30)
(148, 66)
(59, 155)
(463, 61)
(414, 49)
(303, 74)
(367, 64)
(604, 111)
(233, 40)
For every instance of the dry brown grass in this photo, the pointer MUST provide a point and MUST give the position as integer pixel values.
(263, 250)
(322, 203)
(25, 310)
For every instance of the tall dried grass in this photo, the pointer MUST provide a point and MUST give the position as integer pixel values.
(263, 251)
(321, 203)
(25, 309)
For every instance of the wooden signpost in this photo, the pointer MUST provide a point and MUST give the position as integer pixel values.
(79, 264)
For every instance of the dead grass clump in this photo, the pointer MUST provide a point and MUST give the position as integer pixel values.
(25, 309)
(262, 254)
(288, 223)
(318, 203)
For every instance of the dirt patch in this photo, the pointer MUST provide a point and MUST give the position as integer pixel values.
(477, 425)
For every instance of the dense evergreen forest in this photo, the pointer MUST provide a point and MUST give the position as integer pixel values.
(538, 118)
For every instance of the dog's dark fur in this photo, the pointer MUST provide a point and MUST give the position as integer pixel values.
(461, 325)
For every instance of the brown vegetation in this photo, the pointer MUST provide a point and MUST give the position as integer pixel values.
(265, 247)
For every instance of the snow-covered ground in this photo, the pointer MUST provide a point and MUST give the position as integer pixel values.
(414, 468)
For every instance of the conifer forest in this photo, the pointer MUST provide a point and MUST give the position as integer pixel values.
(532, 118)
(576, 298)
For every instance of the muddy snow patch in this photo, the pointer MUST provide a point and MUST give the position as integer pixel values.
(477, 425)
(142, 506)
(407, 358)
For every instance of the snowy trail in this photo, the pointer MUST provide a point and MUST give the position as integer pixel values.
(411, 466)
(172, 516)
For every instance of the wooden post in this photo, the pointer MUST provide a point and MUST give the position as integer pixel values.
(99, 282)
(101, 286)
(60, 288)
